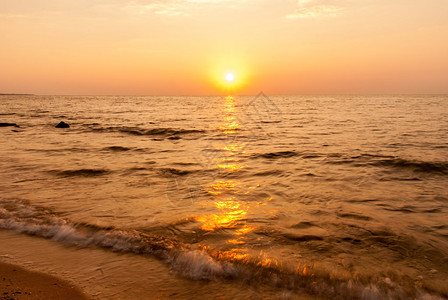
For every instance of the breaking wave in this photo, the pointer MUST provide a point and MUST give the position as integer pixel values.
(200, 262)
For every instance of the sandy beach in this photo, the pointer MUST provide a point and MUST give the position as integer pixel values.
(18, 283)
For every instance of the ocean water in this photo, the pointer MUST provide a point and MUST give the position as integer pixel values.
(230, 197)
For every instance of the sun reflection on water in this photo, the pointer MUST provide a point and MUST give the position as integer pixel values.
(226, 194)
(231, 124)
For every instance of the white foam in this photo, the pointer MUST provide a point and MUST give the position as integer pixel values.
(199, 265)
(191, 263)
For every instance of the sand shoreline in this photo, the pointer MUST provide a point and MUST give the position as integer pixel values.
(19, 283)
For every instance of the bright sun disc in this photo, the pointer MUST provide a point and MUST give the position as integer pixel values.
(230, 77)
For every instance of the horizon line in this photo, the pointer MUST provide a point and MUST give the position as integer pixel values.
(243, 95)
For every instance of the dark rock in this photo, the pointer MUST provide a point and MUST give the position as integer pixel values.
(8, 124)
(62, 125)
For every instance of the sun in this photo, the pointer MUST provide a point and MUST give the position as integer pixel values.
(230, 77)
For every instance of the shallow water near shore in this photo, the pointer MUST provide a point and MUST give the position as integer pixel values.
(287, 196)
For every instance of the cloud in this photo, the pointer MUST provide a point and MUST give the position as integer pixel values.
(174, 7)
(316, 8)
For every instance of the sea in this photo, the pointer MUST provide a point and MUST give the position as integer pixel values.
(229, 197)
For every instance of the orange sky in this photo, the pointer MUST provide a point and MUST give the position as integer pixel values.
(187, 46)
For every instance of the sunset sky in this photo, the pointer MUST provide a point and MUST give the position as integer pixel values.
(178, 47)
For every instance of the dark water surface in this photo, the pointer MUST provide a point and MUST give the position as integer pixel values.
(280, 196)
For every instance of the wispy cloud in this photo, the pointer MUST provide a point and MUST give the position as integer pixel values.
(316, 8)
(175, 7)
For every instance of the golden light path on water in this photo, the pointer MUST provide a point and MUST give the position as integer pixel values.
(226, 194)
(237, 201)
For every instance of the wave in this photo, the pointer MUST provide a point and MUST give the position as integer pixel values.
(177, 172)
(157, 132)
(269, 173)
(117, 148)
(287, 154)
(302, 238)
(415, 165)
(9, 125)
(361, 159)
(304, 224)
(368, 155)
(59, 150)
(80, 172)
(199, 262)
(354, 216)
(434, 167)
(274, 155)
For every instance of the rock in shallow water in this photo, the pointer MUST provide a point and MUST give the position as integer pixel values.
(62, 125)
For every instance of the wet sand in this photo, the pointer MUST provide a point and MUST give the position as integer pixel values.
(18, 283)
